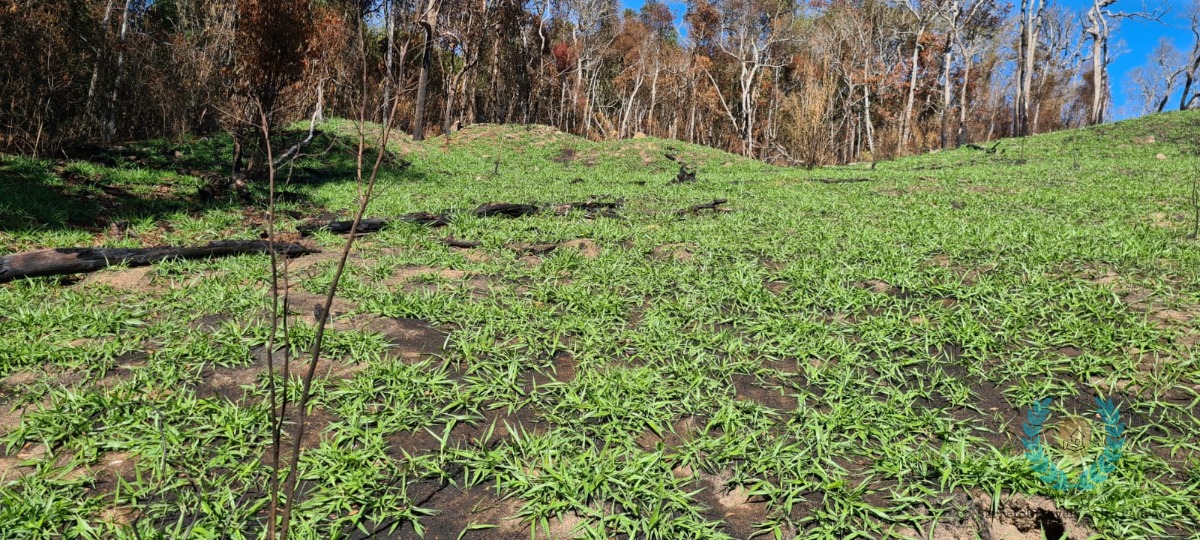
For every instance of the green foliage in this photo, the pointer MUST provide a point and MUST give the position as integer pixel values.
(850, 357)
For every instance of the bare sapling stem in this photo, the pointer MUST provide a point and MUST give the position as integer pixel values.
(364, 199)
(276, 416)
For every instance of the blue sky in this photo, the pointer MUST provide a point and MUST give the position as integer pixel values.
(1132, 42)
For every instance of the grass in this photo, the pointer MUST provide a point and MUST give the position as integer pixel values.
(822, 361)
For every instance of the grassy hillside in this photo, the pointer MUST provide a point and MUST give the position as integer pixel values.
(823, 360)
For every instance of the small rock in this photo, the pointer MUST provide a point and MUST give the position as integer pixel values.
(1161, 157)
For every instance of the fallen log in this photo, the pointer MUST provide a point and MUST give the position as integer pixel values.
(715, 206)
(505, 209)
(841, 180)
(370, 225)
(60, 261)
(596, 205)
(592, 208)
(454, 242)
(532, 249)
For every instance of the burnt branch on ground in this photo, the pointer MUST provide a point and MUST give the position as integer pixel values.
(505, 209)
(686, 175)
(841, 180)
(512, 210)
(54, 262)
(371, 225)
(454, 242)
(715, 206)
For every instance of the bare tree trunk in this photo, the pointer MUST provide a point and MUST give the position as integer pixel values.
(1193, 64)
(1031, 17)
(389, 13)
(650, 123)
(1097, 30)
(962, 100)
(947, 56)
(1187, 89)
(451, 90)
(692, 91)
(494, 86)
(418, 130)
(110, 126)
(623, 129)
(96, 61)
(748, 107)
(869, 124)
(906, 120)
(577, 91)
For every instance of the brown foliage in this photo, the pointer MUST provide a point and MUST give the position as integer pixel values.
(829, 85)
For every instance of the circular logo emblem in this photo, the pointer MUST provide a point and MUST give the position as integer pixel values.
(1073, 436)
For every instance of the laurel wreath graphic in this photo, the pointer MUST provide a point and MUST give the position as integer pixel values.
(1096, 472)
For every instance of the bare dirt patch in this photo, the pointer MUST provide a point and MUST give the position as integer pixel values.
(1032, 518)
(234, 383)
(125, 367)
(473, 255)
(1161, 315)
(25, 461)
(563, 368)
(681, 432)
(1162, 220)
(587, 246)
(876, 286)
(637, 313)
(730, 503)
(404, 277)
(969, 274)
(565, 156)
(13, 386)
(1099, 275)
(305, 266)
(209, 323)
(458, 509)
(308, 307)
(681, 251)
(750, 388)
(411, 339)
(231, 382)
(1019, 517)
(129, 279)
(111, 468)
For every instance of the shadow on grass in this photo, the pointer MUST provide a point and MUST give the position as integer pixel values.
(151, 180)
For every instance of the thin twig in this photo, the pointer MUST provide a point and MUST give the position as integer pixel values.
(315, 354)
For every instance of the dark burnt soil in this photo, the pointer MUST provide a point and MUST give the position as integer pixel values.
(768, 392)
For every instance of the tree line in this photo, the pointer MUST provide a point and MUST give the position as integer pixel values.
(786, 81)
